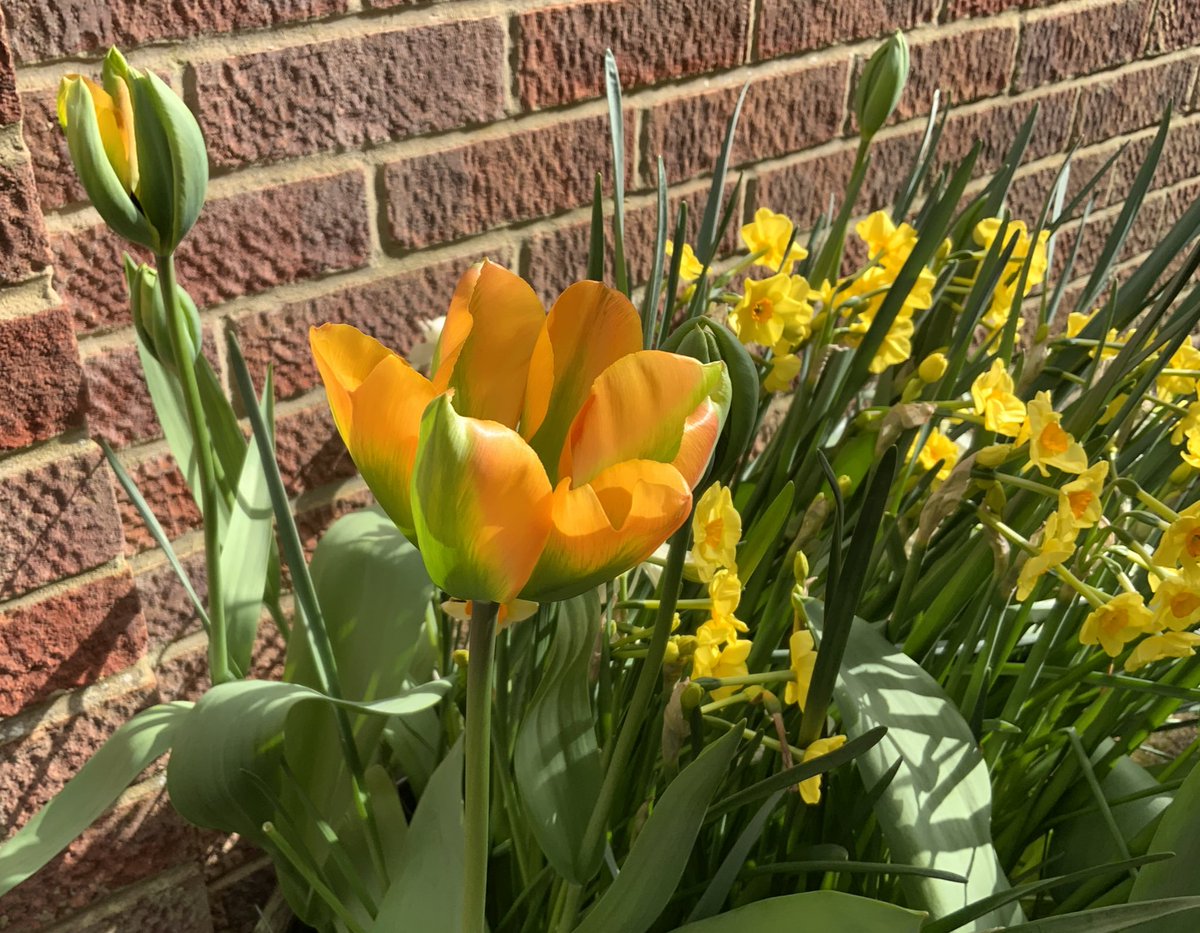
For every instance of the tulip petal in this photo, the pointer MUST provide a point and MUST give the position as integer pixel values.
(345, 356)
(490, 369)
(700, 433)
(589, 328)
(481, 505)
(608, 526)
(637, 410)
(455, 328)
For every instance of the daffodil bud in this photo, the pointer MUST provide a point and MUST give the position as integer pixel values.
(138, 152)
(881, 84)
(933, 367)
(151, 318)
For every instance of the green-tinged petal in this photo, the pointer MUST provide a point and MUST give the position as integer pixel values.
(589, 328)
(489, 372)
(700, 433)
(608, 526)
(455, 328)
(481, 505)
(637, 409)
(345, 356)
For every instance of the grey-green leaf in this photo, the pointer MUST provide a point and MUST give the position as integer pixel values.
(1179, 832)
(815, 911)
(1118, 918)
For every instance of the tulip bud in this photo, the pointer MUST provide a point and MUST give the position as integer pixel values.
(151, 318)
(138, 152)
(881, 84)
(933, 367)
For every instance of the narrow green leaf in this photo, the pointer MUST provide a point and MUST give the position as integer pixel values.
(815, 911)
(1119, 918)
(595, 265)
(709, 238)
(765, 532)
(616, 125)
(721, 883)
(650, 301)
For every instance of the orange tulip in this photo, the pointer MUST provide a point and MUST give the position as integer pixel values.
(548, 452)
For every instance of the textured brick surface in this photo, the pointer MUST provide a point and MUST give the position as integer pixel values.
(560, 51)
(956, 9)
(10, 104)
(22, 236)
(165, 606)
(389, 86)
(69, 639)
(41, 382)
(689, 132)
(243, 244)
(787, 26)
(996, 127)
(165, 490)
(939, 63)
(176, 902)
(41, 30)
(56, 181)
(1133, 100)
(800, 189)
(1176, 25)
(457, 192)
(61, 519)
(1061, 44)
(390, 310)
(309, 450)
(235, 909)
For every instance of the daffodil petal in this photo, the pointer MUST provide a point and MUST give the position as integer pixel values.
(455, 328)
(345, 357)
(490, 368)
(606, 527)
(588, 329)
(481, 505)
(637, 409)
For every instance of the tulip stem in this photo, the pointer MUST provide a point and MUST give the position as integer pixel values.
(481, 647)
(218, 644)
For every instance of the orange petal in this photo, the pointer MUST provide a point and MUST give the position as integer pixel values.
(637, 409)
(700, 433)
(345, 356)
(455, 328)
(608, 526)
(481, 505)
(589, 328)
(488, 371)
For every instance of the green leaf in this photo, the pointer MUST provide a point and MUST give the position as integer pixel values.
(936, 812)
(812, 911)
(709, 237)
(616, 125)
(595, 263)
(166, 395)
(765, 532)
(556, 758)
(661, 849)
(136, 744)
(651, 297)
(719, 886)
(1119, 918)
(426, 893)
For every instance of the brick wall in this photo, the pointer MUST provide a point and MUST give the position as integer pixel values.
(364, 151)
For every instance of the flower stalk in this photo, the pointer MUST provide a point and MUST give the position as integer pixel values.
(482, 648)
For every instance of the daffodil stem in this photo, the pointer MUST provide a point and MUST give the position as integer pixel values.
(481, 646)
(766, 677)
(218, 642)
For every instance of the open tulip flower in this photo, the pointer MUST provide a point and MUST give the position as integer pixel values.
(548, 452)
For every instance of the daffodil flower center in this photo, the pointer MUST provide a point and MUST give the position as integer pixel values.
(714, 533)
(1054, 439)
(1184, 604)
(1193, 542)
(1080, 501)
(762, 310)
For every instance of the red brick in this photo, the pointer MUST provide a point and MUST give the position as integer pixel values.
(466, 190)
(37, 764)
(313, 523)
(236, 907)
(41, 382)
(309, 450)
(690, 131)
(10, 103)
(165, 490)
(57, 183)
(390, 310)
(175, 902)
(560, 51)
(1133, 100)
(389, 86)
(165, 605)
(61, 519)
(940, 63)
(956, 9)
(1062, 44)
(788, 26)
(69, 639)
(995, 125)
(244, 244)
(1176, 25)
(183, 673)
(22, 236)
(42, 31)
(802, 189)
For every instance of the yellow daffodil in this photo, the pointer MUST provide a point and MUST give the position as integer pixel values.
(1049, 444)
(1176, 601)
(725, 591)
(770, 308)
(1076, 322)
(897, 342)
(770, 234)
(1191, 452)
(810, 789)
(784, 369)
(509, 614)
(1188, 425)
(1156, 647)
(1118, 622)
(1001, 410)
(803, 654)
(547, 454)
(1187, 360)
(710, 660)
(716, 531)
(1180, 543)
(933, 367)
(690, 268)
(938, 447)
(1005, 295)
(1079, 500)
(1112, 408)
(888, 245)
(994, 455)
(1057, 544)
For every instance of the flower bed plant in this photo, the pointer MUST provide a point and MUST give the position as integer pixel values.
(830, 585)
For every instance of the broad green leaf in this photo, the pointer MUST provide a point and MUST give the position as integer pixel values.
(136, 744)
(719, 886)
(764, 534)
(1118, 918)
(556, 759)
(812, 911)
(1179, 832)
(660, 852)
(426, 892)
(936, 812)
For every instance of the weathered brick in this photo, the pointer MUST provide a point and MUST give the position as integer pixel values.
(956, 9)
(560, 51)
(165, 605)
(995, 126)
(10, 103)
(1133, 99)
(1060, 44)
(243, 244)
(1176, 25)
(174, 902)
(690, 131)
(236, 907)
(309, 450)
(42, 31)
(390, 310)
(22, 236)
(801, 189)
(61, 520)
(788, 26)
(69, 639)
(939, 63)
(37, 764)
(389, 86)
(41, 382)
(57, 183)
(458, 192)
(182, 670)
(165, 490)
